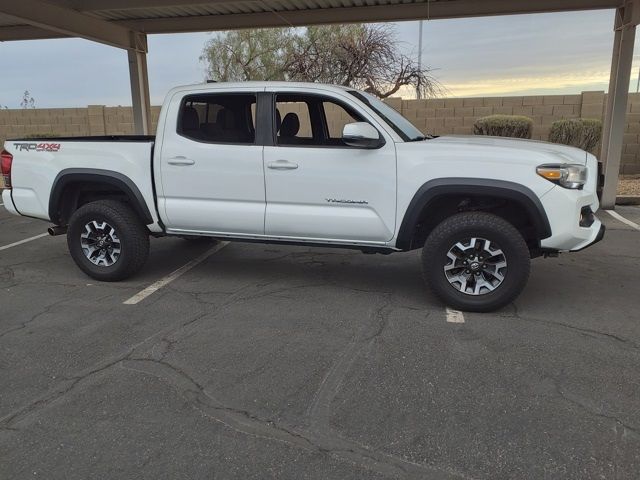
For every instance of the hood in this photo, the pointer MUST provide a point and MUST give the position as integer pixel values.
(566, 153)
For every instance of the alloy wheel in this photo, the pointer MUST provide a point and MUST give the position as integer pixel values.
(100, 244)
(476, 266)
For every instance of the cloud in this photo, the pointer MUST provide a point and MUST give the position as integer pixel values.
(76, 72)
(564, 52)
(550, 53)
(560, 83)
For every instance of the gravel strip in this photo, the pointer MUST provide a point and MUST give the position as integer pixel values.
(629, 185)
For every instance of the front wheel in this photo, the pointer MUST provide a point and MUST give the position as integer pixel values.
(107, 240)
(476, 261)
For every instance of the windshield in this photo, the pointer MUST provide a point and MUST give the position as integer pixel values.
(400, 125)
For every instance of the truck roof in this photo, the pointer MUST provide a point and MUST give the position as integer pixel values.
(212, 86)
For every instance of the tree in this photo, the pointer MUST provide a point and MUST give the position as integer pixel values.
(27, 100)
(248, 54)
(367, 57)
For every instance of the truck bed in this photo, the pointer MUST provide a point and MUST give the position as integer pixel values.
(40, 163)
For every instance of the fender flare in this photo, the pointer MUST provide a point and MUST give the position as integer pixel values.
(109, 177)
(472, 186)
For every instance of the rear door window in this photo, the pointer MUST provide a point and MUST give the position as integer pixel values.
(218, 118)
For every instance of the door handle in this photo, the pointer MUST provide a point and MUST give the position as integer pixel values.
(282, 165)
(180, 161)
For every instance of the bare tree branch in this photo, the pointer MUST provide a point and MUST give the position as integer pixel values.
(365, 57)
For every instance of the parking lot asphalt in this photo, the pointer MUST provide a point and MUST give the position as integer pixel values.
(286, 362)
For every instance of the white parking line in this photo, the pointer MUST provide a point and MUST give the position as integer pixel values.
(30, 239)
(154, 287)
(1, 204)
(619, 217)
(454, 316)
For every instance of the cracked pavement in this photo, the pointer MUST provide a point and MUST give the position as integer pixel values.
(299, 363)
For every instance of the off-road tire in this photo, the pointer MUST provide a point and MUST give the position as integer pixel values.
(133, 236)
(486, 226)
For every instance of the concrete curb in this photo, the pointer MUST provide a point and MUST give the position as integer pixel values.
(628, 200)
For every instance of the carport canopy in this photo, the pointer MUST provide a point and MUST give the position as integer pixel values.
(126, 23)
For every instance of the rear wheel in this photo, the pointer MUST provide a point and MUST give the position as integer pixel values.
(107, 240)
(476, 261)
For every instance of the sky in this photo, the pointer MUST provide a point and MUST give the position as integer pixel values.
(490, 56)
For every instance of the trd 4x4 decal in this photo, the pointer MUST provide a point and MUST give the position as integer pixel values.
(37, 147)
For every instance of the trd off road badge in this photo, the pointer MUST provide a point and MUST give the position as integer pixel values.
(37, 147)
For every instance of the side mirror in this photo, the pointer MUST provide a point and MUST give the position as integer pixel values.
(361, 135)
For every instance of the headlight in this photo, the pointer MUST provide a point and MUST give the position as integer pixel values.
(565, 175)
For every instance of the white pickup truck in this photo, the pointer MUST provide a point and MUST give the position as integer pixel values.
(311, 164)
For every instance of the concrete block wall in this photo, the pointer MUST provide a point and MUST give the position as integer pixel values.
(440, 116)
(57, 121)
(70, 122)
(630, 163)
(457, 115)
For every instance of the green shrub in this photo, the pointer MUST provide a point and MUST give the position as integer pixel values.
(583, 133)
(516, 126)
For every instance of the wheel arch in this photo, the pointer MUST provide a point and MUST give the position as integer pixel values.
(432, 191)
(70, 183)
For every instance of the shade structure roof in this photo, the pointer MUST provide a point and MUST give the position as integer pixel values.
(171, 16)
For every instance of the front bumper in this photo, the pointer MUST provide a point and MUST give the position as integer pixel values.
(565, 208)
(599, 237)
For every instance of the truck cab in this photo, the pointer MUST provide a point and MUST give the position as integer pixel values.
(272, 162)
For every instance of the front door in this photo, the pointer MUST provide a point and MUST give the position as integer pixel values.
(317, 187)
(211, 166)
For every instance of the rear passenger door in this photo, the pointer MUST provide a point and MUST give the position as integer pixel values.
(317, 187)
(211, 168)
